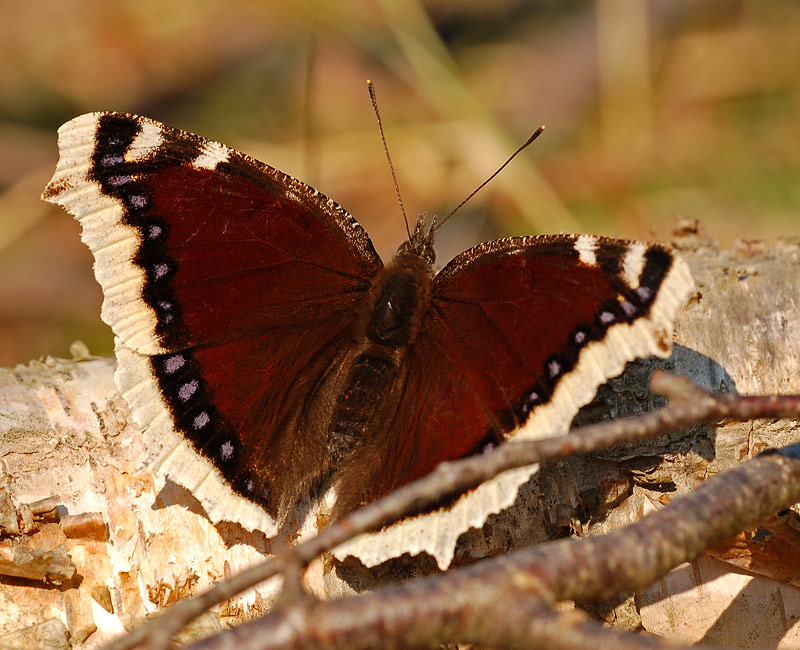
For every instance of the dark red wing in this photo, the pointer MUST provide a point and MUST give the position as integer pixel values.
(241, 246)
(247, 257)
(509, 322)
(233, 278)
(518, 335)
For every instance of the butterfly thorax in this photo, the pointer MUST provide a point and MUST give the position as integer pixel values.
(400, 293)
(372, 384)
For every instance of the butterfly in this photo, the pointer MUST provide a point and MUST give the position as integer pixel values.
(270, 356)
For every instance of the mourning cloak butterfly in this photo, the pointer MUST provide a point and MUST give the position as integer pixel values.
(269, 354)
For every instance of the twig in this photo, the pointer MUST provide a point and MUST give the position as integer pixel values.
(87, 525)
(447, 607)
(527, 623)
(690, 405)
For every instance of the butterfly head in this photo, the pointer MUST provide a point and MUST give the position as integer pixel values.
(421, 241)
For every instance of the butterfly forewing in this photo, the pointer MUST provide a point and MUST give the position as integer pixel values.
(239, 283)
(525, 313)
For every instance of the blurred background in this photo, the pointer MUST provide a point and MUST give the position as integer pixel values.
(656, 111)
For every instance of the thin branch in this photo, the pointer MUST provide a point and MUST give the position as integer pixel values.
(690, 405)
(527, 623)
(447, 607)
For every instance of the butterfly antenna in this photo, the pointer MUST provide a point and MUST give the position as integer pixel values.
(524, 145)
(374, 101)
(310, 153)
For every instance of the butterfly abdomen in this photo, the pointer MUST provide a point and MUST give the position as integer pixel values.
(368, 398)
